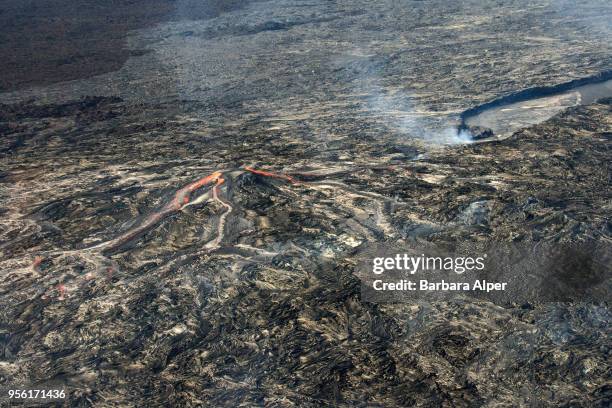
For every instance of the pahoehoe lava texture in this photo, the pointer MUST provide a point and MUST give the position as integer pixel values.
(196, 248)
(274, 313)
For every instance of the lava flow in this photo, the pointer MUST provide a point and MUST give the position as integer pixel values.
(181, 198)
(270, 174)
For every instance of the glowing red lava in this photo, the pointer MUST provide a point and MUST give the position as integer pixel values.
(270, 174)
(182, 196)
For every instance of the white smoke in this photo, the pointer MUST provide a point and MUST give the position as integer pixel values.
(400, 113)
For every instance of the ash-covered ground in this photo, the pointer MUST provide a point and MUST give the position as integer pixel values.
(182, 231)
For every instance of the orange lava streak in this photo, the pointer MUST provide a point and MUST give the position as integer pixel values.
(269, 174)
(181, 197)
(203, 181)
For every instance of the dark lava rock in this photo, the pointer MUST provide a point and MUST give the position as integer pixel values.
(479, 133)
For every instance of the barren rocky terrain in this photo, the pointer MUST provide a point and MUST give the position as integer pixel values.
(183, 230)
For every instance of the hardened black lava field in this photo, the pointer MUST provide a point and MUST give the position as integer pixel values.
(179, 223)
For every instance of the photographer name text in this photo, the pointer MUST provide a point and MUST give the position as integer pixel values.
(412, 264)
